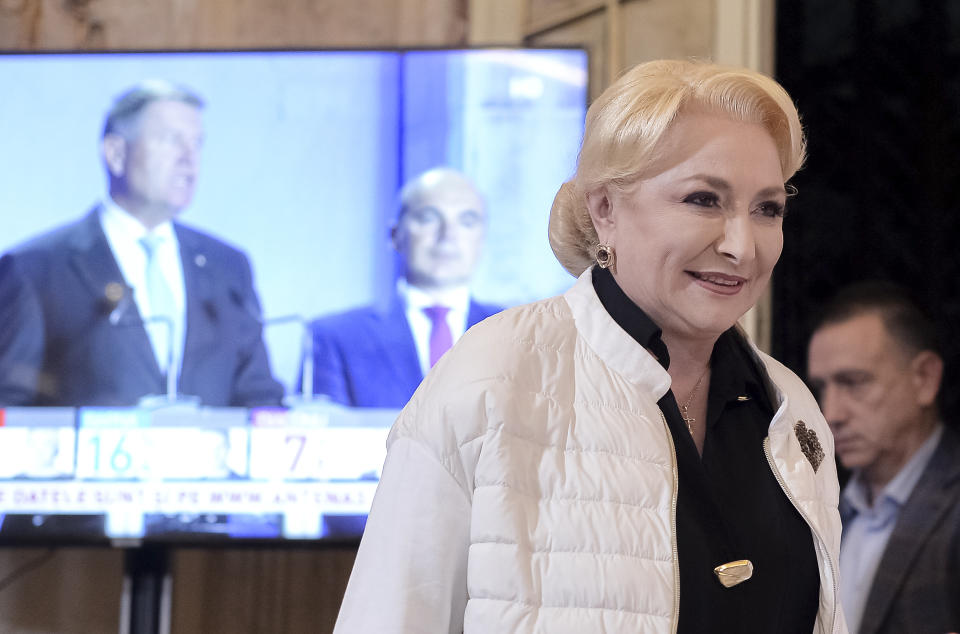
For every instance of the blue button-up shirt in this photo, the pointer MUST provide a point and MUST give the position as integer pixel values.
(866, 528)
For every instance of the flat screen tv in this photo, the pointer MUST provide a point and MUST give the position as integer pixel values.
(304, 153)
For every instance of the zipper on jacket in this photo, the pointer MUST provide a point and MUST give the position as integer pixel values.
(820, 541)
(673, 525)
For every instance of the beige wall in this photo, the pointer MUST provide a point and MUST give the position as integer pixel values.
(140, 24)
(286, 591)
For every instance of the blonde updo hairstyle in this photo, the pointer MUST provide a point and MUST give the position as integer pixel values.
(626, 124)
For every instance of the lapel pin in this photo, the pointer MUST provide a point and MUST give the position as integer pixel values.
(200, 260)
(743, 399)
(809, 444)
(114, 292)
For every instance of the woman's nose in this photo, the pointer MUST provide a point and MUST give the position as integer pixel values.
(737, 240)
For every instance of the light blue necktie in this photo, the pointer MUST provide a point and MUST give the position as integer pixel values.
(163, 309)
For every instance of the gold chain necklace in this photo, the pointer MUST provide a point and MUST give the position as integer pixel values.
(685, 408)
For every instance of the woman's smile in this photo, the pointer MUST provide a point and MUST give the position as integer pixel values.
(720, 283)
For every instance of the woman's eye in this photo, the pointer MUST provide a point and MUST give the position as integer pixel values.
(773, 209)
(703, 199)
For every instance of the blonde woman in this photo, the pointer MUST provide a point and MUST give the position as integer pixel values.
(621, 458)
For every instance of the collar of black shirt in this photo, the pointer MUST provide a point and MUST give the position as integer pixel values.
(734, 375)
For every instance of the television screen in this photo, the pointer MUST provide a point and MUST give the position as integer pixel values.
(295, 191)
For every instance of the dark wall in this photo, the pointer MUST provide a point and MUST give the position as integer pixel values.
(877, 83)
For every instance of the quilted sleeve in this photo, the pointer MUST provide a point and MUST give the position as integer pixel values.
(410, 574)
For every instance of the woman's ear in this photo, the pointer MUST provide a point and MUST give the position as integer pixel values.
(600, 206)
(927, 370)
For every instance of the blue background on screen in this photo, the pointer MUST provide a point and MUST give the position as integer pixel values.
(304, 154)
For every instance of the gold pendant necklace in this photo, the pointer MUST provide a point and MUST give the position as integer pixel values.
(685, 408)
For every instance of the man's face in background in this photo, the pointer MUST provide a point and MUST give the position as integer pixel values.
(440, 234)
(868, 388)
(155, 165)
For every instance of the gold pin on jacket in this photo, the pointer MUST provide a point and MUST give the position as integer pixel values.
(734, 572)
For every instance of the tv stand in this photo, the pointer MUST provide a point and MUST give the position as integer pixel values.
(147, 590)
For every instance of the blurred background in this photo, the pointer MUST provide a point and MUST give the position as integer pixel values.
(878, 87)
(875, 80)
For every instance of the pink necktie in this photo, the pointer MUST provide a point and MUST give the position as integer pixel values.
(440, 336)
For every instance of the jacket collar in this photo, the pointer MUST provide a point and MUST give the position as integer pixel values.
(90, 255)
(621, 353)
(610, 342)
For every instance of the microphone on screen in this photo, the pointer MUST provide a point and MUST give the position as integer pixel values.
(119, 298)
(306, 337)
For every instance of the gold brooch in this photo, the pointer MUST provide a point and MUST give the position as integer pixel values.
(809, 444)
(734, 572)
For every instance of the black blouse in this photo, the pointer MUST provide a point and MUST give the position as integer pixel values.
(729, 504)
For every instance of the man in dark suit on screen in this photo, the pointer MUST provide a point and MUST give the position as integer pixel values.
(377, 356)
(875, 364)
(101, 311)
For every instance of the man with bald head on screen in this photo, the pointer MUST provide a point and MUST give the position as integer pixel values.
(376, 356)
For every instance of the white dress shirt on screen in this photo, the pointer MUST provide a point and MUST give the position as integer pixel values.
(123, 233)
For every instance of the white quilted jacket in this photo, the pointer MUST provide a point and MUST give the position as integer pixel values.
(530, 486)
